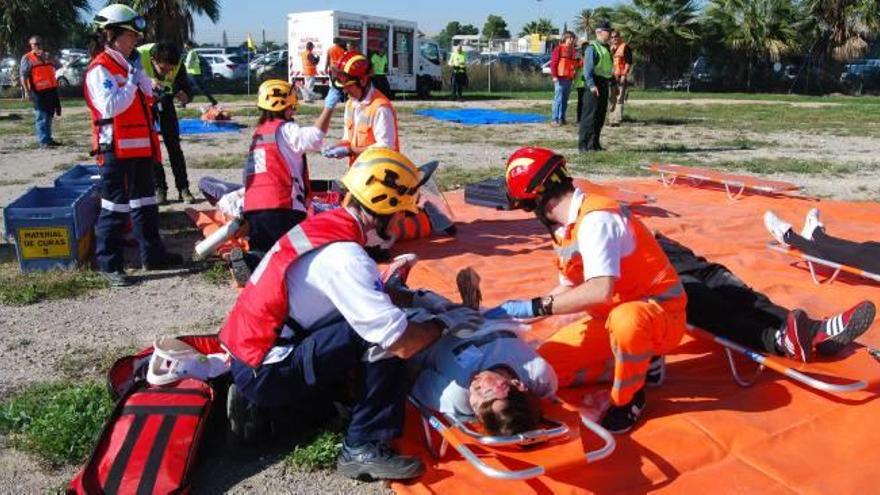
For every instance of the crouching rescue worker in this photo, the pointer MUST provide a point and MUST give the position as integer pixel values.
(370, 119)
(313, 307)
(125, 145)
(611, 267)
(276, 176)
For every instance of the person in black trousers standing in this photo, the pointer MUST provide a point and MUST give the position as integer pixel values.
(597, 74)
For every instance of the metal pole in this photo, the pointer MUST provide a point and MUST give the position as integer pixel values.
(249, 70)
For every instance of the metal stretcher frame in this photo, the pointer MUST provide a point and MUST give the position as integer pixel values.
(729, 181)
(812, 260)
(774, 363)
(555, 431)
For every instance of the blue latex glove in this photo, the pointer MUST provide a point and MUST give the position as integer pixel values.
(334, 96)
(514, 308)
(340, 151)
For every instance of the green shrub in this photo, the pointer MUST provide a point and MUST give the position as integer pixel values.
(57, 422)
(19, 289)
(317, 452)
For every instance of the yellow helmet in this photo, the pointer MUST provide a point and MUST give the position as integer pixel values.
(276, 95)
(384, 181)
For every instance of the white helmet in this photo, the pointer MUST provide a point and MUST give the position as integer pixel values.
(120, 15)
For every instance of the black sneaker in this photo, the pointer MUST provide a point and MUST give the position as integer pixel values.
(117, 279)
(621, 419)
(797, 336)
(164, 261)
(186, 196)
(377, 461)
(842, 329)
(656, 372)
(245, 421)
(241, 272)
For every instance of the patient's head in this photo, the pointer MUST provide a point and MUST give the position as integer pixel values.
(503, 403)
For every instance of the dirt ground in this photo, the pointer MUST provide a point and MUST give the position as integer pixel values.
(76, 338)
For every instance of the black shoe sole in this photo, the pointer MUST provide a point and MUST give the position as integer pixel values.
(861, 320)
(241, 272)
(358, 471)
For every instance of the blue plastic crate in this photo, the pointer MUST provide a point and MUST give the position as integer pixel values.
(52, 226)
(79, 176)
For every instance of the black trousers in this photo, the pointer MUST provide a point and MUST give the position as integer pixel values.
(380, 82)
(459, 80)
(265, 227)
(170, 130)
(325, 356)
(864, 255)
(580, 104)
(593, 116)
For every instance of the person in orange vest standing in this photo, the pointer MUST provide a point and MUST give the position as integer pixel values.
(610, 267)
(310, 70)
(41, 87)
(370, 119)
(564, 62)
(622, 64)
(118, 94)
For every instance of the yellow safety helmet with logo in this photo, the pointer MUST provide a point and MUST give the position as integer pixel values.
(276, 95)
(384, 181)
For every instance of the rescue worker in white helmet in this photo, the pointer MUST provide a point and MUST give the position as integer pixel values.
(316, 308)
(118, 93)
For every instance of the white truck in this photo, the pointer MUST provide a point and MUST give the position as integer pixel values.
(414, 64)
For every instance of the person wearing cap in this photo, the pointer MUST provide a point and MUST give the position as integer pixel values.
(316, 312)
(125, 144)
(611, 268)
(597, 76)
(370, 118)
(41, 87)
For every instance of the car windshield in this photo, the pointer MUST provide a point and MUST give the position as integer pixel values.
(431, 52)
(235, 59)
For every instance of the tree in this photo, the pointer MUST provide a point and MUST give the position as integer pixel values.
(495, 28)
(53, 20)
(758, 29)
(172, 20)
(660, 31)
(586, 21)
(542, 26)
(844, 27)
(444, 37)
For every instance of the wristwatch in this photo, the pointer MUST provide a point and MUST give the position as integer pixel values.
(542, 306)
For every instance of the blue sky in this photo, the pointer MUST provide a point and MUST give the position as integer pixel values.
(240, 17)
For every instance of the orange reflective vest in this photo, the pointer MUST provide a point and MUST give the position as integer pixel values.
(334, 53)
(309, 67)
(268, 184)
(133, 134)
(360, 133)
(619, 59)
(42, 73)
(568, 62)
(645, 274)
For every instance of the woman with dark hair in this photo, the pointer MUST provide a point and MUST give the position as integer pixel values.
(124, 143)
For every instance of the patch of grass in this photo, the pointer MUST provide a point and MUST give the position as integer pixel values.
(743, 143)
(788, 165)
(56, 422)
(449, 178)
(20, 289)
(217, 272)
(229, 160)
(14, 182)
(319, 451)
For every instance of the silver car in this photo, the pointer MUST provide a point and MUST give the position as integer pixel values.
(8, 72)
(72, 73)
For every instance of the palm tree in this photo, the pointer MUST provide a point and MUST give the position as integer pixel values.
(844, 26)
(585, 22)
(759, 29)
(542, 26)
(660, 31)
(53, 20)
(172, 20)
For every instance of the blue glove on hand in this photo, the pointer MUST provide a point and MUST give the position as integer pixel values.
(334, 96)
(340, 151)
(514, 308)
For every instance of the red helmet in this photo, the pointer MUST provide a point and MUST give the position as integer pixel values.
(351, 68)
(530, 169)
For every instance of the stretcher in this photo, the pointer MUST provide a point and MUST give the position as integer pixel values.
(521, 449)
(811, 261)
(734, 184)
(818, 376)
(619, 194)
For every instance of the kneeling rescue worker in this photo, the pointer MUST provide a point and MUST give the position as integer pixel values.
(315, 305)
(611, 267)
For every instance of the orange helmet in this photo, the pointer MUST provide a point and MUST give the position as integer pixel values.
(531, 171)
(352, 68)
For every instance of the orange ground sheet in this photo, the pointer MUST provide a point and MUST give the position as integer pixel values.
(702, 433)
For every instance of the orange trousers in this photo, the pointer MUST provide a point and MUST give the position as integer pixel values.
(617, 348)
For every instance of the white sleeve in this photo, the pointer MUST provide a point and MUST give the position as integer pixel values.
(145, 83)
(355, 289)
(108, 97)
(543, 381)
(601, 239)
(348, 116)
(384, 128)
(302, 139)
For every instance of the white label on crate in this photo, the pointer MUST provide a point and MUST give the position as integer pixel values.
(44, 242)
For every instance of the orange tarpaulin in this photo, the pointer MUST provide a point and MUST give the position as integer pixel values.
(702, 433)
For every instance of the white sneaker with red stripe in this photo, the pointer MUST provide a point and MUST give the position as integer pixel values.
(840, 330)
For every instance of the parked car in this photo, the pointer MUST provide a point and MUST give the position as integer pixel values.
(226, 66)
(72, 73)
(275, 70)
(268, 59)
(8, 72)
(522, 61)
(70, 54)
(861, 75)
